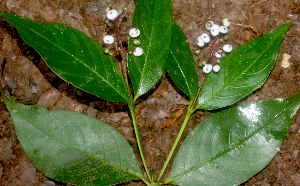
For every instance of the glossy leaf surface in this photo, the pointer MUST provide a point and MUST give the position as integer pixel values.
(231, 146)
(181, 65)
(244, 70)
(73, 56)
(72, 147)
(154, 19)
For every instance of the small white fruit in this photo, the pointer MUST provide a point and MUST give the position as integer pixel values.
(218, 54)
(208, 25)
(223, 29)
(134, 32)
(205, 38)
(227, 48)
(214, 30)
(138, 52)
(216, 68)
(200, 42)
(207, 68)
(112, 14)
(108, 39)
(226, 22)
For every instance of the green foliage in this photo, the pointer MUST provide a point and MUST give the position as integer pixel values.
(225, 149)
(231, 146)
(244, 70)
(73, 56)
(73, 147)
(181, 66)
(154, 18)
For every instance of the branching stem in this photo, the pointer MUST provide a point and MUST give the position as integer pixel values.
(131, 104)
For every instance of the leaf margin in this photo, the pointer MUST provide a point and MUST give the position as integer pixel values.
(122, 92)
(291, 115)
(216, 76)
(10, 106)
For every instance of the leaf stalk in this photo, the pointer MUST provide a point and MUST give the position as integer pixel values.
(132, 112)
(190, 111)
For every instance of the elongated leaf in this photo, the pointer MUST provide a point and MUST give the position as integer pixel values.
(73, 147)
(73, 56)
(243, 71)
(154, 18)
(181, 65)
(233, 145)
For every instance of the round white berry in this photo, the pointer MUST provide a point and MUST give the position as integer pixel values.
(205, 38)
(112, 14)
(208, 25)
(200, 42)
(218, 54)
(207, 68)
(223, 29)
(134, 32)
(108, 39)
(226, 22)
(214, 30)
(199, 38)
(216, 68)
(138, 52)
(227, 48)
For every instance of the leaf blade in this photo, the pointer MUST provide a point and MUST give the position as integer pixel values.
(72, 147)
(252, 135)
(180, 65)
(73, 56)
(154, 19)
(244, 70)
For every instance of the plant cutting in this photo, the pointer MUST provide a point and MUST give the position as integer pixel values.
(227, 148)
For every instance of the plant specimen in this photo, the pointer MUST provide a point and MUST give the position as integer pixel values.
(227, 148)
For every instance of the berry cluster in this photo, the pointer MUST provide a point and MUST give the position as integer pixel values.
(216, 34)
(114, 18)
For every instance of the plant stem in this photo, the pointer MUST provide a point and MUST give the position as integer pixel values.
(132, 111)
(124, 71)
(194, 104)
(131, 106)
(190, 111)
(146, 181)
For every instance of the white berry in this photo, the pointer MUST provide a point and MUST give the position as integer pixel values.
(134, 32)
(218, 54)
(208, 25)
(138, 52)
(205, 38)
(214, 30)
(226, 22)
(227, 48)
(112, 14)
(216, 68)
(207, 68)
(200, 42)
(223, 29)
(108, 39)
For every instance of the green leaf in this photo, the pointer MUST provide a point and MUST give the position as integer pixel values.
(244, 70)
(73, 56)
(181, 65)
(154, 19)
(231, 146)
(72, 147)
